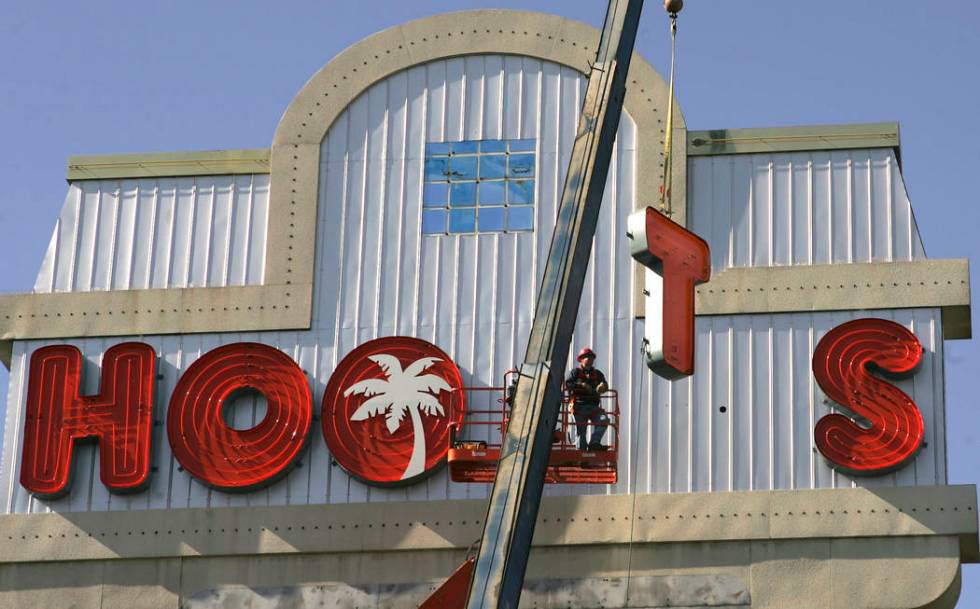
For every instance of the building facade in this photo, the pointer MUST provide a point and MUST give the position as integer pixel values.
(410, 191)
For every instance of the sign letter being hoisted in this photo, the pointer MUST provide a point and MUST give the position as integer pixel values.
(677, 260)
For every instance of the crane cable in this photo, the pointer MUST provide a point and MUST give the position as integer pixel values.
(665, 208)
(665, 203)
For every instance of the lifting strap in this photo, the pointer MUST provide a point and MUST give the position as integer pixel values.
(665, 187)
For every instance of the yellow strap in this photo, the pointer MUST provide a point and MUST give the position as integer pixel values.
(665, 204)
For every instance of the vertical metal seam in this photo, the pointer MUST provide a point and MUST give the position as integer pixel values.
(383, 204)
(209, 235)
(711, 403)
(771, 216)
(689, 386)
(732, 234)
(232, 208)
(72, 274)
(751, 401)
(939, 398)
(362, 205)
(890, 211)
(811, 397)
(191, 225)
(871, 211)
(670, 432)
(134, 233)
(113, 238)
(750, 225)
(792, 409)
(80, 256)
(55, 256)
(731, 407)
(417, 295)
(20, 353)
(811, 236)
(849, 202)
(402, 204)
(264, 234)
(249, 220)
(342, 294)
(152, 236)
(790, 207)
(770, 339)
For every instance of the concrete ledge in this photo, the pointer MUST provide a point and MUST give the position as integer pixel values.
(838, 287)
(791, 139)
(161, 164)
(447, 525)
(163, 311)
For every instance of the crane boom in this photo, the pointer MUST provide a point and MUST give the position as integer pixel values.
(498, 573)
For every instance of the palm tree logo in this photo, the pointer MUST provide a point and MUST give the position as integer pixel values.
(402, 392)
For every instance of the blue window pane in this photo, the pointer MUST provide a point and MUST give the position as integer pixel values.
(491, 193)
(520, 218)
(462, 168)
(435, 195)
(433, 222)
(492, 166)
(520, 192)
(436, 148)
(521, 166)
(522, 145)
(463, 194)
(436, 169)
(493, 146)
(467, 147)
(491, 219)
(462, 220)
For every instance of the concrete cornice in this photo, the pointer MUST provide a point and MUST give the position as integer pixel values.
(944, 284)
(838, 287)
(840, 549)
(168, 164)
(444, 525)
(794, 139)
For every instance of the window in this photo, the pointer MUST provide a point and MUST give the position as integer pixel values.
(478, 186)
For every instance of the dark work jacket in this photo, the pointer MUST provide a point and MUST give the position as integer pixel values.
(590, 378)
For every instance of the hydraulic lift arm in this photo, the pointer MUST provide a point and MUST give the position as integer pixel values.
(498, 573)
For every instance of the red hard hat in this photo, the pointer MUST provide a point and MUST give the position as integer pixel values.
(585, 352)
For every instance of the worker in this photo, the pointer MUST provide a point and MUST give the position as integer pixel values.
(586, 383)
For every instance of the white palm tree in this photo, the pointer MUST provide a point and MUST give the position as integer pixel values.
(401, 392)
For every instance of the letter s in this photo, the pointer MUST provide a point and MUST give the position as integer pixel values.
(885, 428)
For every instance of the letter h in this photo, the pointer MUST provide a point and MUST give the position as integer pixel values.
(119, 418)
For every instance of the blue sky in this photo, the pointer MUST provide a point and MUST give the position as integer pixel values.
(108, 77)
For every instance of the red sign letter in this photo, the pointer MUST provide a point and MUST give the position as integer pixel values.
(679, 260)
(232, 459)
(885, 429)
(388, 410)
(120, 418)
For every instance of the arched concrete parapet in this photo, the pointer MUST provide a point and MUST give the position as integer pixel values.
(296, 146)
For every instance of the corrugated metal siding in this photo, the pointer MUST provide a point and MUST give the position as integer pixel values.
(674, 436)
(473, 295)
(802, 208)
(158, 233)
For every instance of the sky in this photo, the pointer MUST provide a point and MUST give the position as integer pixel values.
(118, 77)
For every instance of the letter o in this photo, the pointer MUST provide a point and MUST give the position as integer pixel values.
(232, 459)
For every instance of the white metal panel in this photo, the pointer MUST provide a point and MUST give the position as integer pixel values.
(802, 208)
(158, 233)
(473, 295)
